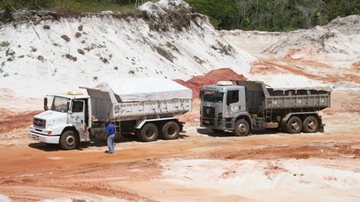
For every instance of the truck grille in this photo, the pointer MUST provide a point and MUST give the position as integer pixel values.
(39, 123)
(209, 112)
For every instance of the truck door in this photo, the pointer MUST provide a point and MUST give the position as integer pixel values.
(232, 102)
(77, 118)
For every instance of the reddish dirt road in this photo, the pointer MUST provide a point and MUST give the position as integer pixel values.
(30, 173)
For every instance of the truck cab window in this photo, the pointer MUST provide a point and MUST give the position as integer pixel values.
(77, 106)
(232, 97)
(213, 96)
(60, 104)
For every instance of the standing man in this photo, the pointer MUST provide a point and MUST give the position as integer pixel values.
(110, 133)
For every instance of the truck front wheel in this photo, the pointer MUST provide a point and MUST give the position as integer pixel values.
(242, 128)
(149, 132)
(170, 130)
(294, 125)
(68, 140)
(310, 125)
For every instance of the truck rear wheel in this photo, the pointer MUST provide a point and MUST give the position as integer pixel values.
(170, 130)
(69, 140)
(294, 125)
(149, 132)
(310, 124)
(242, 128)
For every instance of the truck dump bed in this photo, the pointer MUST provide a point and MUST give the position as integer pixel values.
(260, 98)
(311, 98)
(129, 99)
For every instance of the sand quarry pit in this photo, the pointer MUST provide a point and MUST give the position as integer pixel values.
(200, 166)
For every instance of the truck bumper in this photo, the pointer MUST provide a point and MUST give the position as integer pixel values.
(50, 139)
(215, 123)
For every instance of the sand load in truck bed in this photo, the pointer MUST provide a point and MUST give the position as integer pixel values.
(131, 98)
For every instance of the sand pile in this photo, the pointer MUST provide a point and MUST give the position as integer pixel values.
(164, 6)
(338, 36)
(347, 25)
(328, 55)
(54, 56)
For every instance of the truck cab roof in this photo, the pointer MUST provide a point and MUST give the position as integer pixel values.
(221, 88)
(75, 94)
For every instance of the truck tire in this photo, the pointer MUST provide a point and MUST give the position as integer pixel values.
(310, 124)
(170, 130)
(294, 125)
(69, 140)
(242, 128)
(149, 132)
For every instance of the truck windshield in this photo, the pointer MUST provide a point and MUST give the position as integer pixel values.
(60, 104)
(213, 96)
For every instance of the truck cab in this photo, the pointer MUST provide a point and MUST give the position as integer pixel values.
(221, 105)
(65, 122)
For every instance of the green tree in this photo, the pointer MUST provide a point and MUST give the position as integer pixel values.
(222, 13)
(274, 15)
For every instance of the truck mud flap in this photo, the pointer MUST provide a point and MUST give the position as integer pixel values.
(182, 127)
(321, 128)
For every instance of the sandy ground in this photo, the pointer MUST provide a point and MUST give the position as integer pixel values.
(200, 166)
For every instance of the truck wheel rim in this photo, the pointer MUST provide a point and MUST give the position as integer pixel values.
(242, 128)
(171, 130)
(311, 125)
(150, 132)
(70, 140)
(295, 125)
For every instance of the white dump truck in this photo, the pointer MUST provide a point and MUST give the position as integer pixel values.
(143, 106)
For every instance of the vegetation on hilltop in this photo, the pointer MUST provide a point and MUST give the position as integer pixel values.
(267, 15)
(274, 15)
(72, 6)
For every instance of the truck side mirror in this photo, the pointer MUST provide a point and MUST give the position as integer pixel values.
(201, 94)
(46, 104)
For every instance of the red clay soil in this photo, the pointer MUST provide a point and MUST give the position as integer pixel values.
(260, 67)
(356, 66)
(327, 78)
(322, 150)
(304, 51)
(212, 77)
(10, 120)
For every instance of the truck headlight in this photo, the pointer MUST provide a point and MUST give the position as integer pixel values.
(48, 132)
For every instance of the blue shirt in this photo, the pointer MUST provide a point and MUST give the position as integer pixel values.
(110, 129)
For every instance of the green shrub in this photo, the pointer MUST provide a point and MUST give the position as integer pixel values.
(66, 6)
(7, 5)
(273, 15)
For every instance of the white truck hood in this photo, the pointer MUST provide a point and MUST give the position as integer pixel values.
(52, 117)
